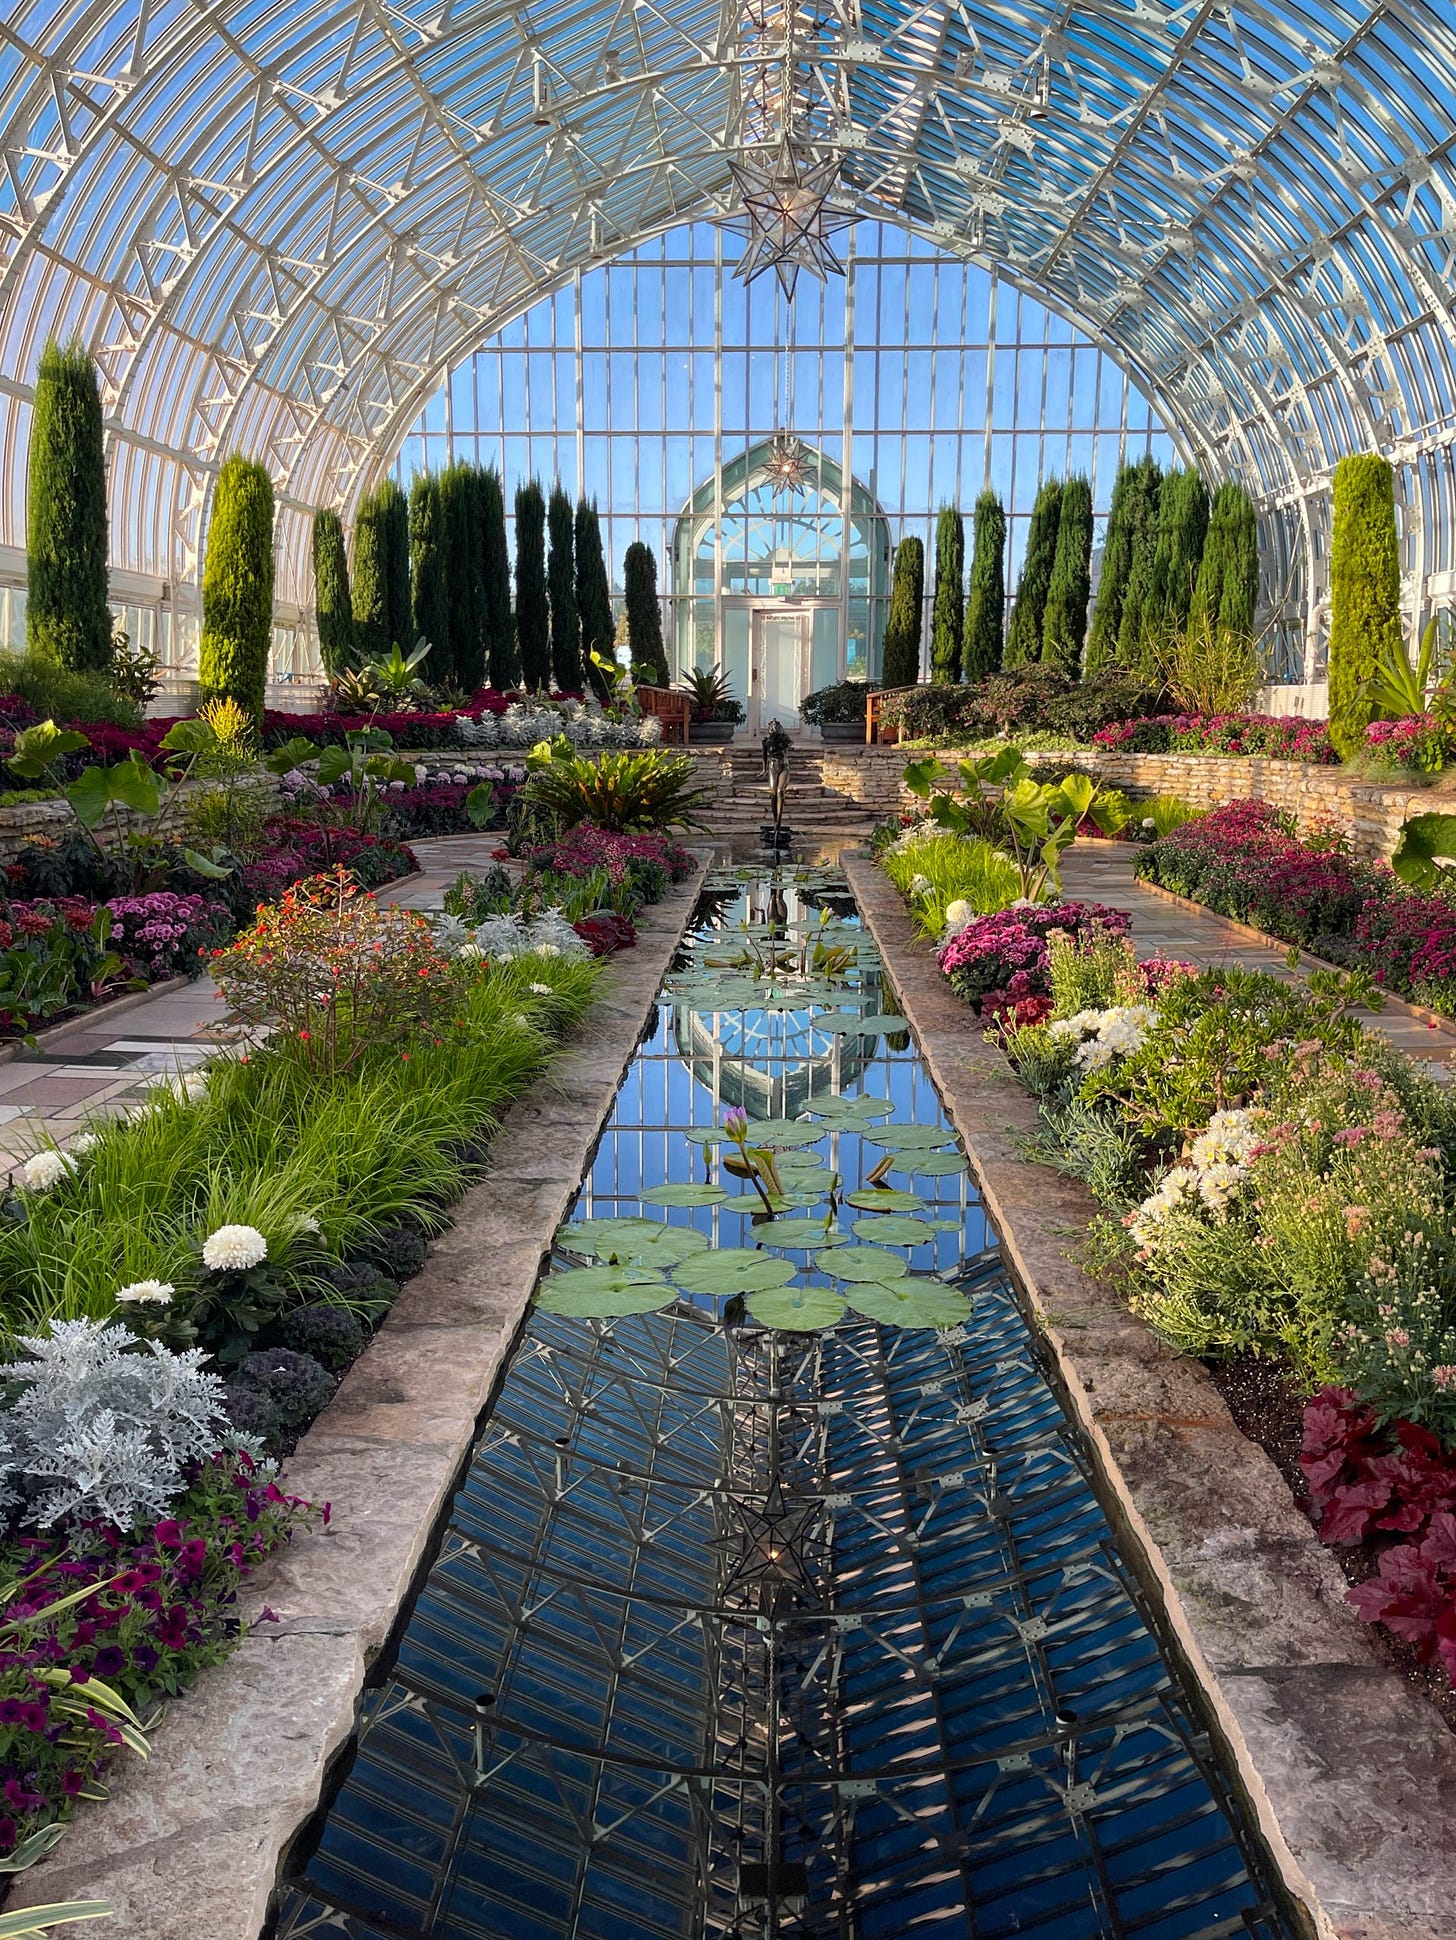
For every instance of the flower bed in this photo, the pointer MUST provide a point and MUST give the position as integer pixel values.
(1280, 737)
(1416, 744)
(999, 963)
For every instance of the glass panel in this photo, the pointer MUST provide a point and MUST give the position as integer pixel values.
(824, 655)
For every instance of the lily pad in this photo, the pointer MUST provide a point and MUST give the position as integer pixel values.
(705, 1134)
(884, 1199)
(928, 1165)
(644, 1240)
(862, 1263)
(734, 1269)
(909, 1138)
(837, 1021)
(911, 1303)
(604, 1292)
(799, 1235)
(682, 1195)
(801, 1310)
(882, 1023)
(784, 1134)
(895, 1229)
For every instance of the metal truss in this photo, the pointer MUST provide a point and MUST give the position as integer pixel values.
(278, 225)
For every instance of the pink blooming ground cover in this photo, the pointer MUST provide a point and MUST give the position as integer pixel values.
(1002, 958)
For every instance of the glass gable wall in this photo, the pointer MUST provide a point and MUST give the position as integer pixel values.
(656, 384)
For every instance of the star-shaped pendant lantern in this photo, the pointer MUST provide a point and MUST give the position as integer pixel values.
(786, 463)
(784, 197)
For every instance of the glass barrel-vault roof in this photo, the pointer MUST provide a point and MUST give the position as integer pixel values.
(277, 225)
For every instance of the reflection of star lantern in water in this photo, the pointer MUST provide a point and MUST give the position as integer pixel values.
(784, 197)
(786, 463)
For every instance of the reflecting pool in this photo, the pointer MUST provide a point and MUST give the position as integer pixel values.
(776, 1599)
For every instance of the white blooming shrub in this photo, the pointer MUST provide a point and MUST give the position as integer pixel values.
(1100, 1036)
(1208, 1185)
(104, 1426)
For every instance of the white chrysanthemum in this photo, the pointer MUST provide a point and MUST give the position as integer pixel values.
(86, 1142)
(44, 1170)
(1106, 1034)
(541, 990)
(1176, 1191)
(308, 1224)
(1217, 1185)
(470, 950)
(146, 1293)
(1228, 1139)
(548, 950)
(919, 885)
(233, 1249)
(958, 915)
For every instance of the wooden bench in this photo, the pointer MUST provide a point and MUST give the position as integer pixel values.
(672, 709)
(875, 729)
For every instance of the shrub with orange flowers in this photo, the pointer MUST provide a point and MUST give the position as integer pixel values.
(336, 974)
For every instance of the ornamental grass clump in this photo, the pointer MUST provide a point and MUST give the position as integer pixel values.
(339, 975)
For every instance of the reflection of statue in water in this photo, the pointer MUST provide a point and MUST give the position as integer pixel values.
(776, 745)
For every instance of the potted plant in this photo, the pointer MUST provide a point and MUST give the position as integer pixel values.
(838, 711)
(715, 713)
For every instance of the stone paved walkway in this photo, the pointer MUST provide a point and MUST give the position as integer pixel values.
(104, 1062)
(1102, 872)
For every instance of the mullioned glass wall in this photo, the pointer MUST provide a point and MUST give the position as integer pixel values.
(656, 384)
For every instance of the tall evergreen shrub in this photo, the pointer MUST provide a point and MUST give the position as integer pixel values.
(1365, 624)
(947, 614)
(1182, 529)
(237, 588)
(593, 597)
(986, 607)
(561, 582)
(371, 581)
(498, 624)
(533, 618)
(1143, 515)
(1064, 627)
(1226, 591)
(644, 614)
(67, 617)
(1028, 616)
(464, 559)
(394, 521)
(430, 617)
(1116, 567)
(901, 664)
(331, 606)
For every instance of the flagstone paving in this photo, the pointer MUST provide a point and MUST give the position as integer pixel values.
(1103, 872)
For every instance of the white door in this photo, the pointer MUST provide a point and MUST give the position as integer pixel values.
(778, 668)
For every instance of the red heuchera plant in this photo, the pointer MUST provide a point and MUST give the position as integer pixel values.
(605, 932)
(1372, 1481)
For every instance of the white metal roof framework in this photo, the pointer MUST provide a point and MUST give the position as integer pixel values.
(278, 222)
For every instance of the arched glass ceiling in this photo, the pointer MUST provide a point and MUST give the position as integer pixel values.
(278, 222)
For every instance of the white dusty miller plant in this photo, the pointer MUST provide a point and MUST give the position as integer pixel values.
(102, 1431)
(501, 938)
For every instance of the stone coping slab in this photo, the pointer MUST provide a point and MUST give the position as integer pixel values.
(1351, 1774)
(189, 1845)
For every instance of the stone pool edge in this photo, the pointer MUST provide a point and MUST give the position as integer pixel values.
(189, 1845)
(1351, 1774)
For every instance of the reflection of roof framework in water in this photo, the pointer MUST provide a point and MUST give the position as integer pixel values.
(746, 1635)
(765, 1061)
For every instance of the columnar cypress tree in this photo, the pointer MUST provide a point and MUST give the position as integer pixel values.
(237, 588)
(593, 597)
(1064, 627)
(430, 617)
(331, 606)
(986, 608)
(1182, 529)
(66, 614)
(394, 522)
(371, 581)
(1226, 591)
(644, 614)
(498, 626)
(901, 663)
(1136, 614)
(947, 614)
(533, 618)
(1128, 490)
(1023, 636)
(463, 554)
(561, 580)
(1365, 626)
